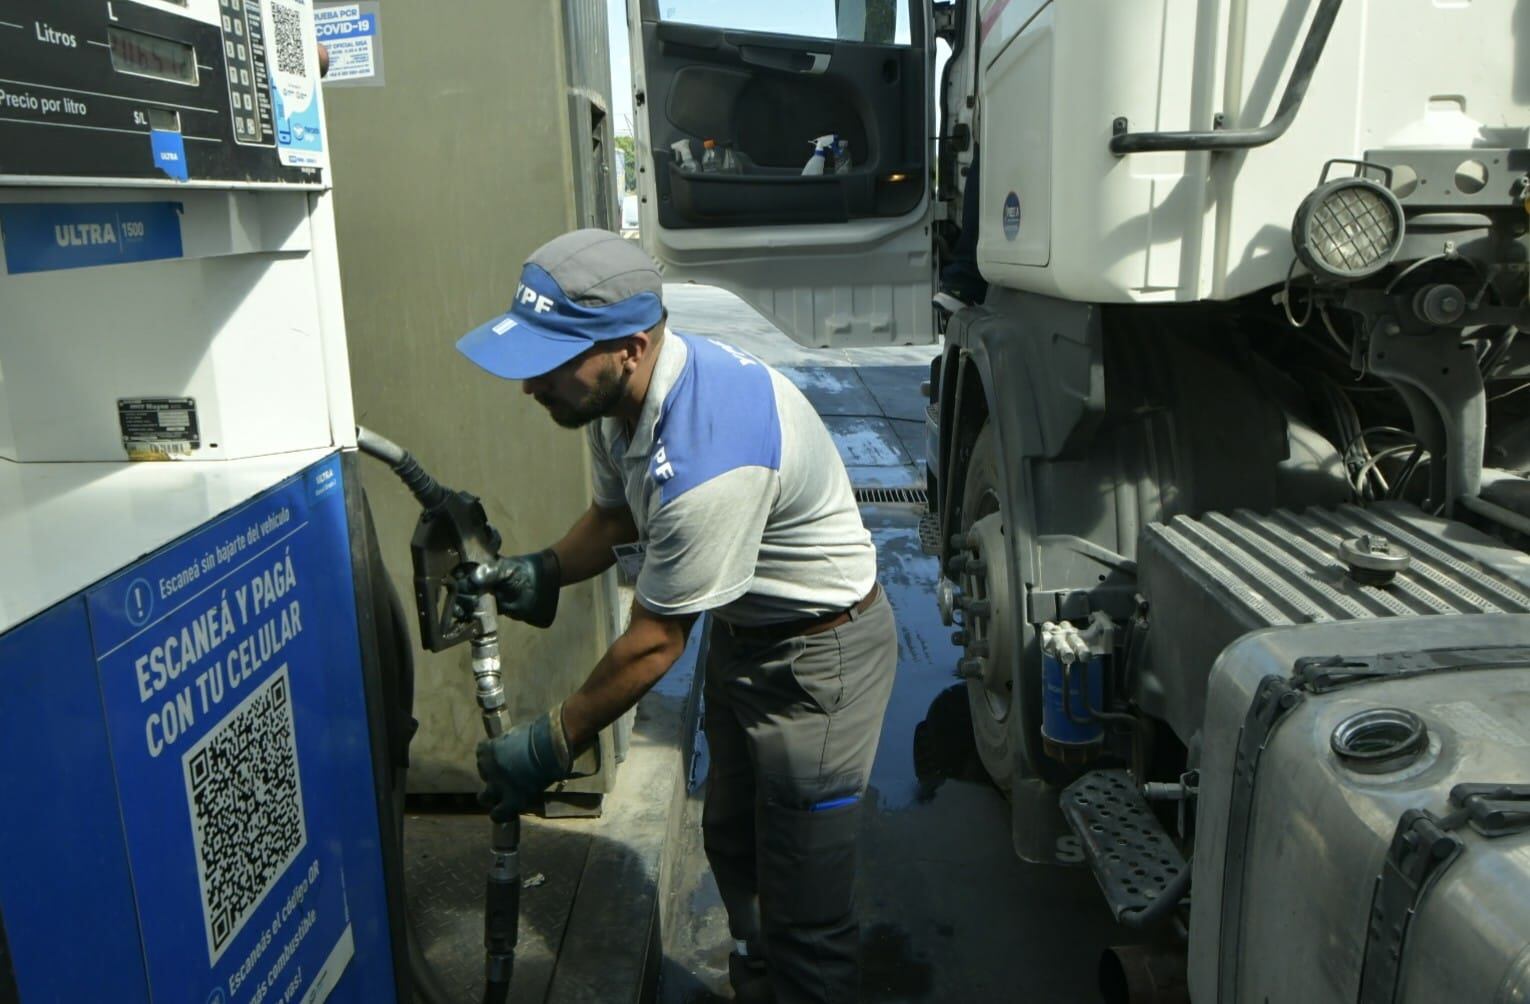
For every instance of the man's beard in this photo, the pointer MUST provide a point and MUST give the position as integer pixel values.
(598, 403)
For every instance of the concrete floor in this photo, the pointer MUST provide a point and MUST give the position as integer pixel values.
(949, 913)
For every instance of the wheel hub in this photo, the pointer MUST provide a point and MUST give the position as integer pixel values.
(986, 614)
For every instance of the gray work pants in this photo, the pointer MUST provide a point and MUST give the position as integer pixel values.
(792, 727)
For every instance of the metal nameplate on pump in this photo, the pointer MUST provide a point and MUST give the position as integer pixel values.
(158, 428)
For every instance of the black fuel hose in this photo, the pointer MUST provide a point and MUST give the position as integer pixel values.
(393, 632)
(426, 490)
(503, 892)
(427, 986)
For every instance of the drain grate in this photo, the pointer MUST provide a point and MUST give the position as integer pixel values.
(892, 496)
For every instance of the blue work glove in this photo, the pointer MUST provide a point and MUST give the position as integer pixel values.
(520, 764)
(525, 586)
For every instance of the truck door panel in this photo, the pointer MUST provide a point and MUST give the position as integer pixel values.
(834, 259)
(771, 95)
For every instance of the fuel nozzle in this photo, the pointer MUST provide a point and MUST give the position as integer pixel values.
(452, 539)
(456, 563)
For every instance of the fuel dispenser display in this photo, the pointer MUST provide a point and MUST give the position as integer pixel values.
(194, 742)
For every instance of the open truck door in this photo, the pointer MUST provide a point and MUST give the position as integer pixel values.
(837, 259)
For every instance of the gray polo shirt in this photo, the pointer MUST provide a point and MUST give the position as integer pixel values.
(740, 498)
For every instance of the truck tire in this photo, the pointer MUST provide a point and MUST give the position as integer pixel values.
(993, 630)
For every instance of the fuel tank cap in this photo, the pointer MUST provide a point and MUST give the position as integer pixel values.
(1372, 559)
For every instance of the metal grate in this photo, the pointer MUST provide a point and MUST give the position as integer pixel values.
(1285, 567)
(892, 496)
(1133, 857)
(1352, 228)
(929, 533)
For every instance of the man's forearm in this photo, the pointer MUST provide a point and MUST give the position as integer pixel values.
(585, 551)
(624, 674)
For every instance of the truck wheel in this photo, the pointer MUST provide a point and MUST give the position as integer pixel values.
(992, 629)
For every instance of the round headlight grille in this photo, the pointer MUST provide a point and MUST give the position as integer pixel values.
(1348, 229)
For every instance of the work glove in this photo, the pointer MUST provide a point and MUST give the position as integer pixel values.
(525, 587)
(519, 765)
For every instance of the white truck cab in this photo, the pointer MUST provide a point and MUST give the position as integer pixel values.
(1229, 466)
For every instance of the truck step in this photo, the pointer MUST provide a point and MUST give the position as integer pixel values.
(929, 533)
(1132, 855)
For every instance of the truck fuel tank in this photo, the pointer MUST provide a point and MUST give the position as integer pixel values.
(1363, 832)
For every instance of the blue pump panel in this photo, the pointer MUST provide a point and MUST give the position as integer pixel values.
(188, 749)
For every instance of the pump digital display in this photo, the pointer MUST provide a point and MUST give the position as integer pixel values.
(151, 56)
(160, 92)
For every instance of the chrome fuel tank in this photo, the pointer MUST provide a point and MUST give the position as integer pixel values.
(1294, 836)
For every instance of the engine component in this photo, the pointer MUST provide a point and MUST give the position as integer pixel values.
(1073, 688)
(1441, 303)
(1210, 580)
(1411, 885)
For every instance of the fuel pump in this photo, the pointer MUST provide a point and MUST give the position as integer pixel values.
(196, 738)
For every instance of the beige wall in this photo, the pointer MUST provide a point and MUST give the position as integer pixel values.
(446, 178)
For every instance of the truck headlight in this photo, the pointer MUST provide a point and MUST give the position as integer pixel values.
(1347, 229)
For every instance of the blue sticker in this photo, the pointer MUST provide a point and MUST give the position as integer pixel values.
(1011, 216)
(46, 237)
(169, 152)
(338, 23)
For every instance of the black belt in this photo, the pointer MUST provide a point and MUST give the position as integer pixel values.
(807, 626)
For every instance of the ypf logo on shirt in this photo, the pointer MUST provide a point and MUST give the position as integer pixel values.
(663, 470)
(744, 358)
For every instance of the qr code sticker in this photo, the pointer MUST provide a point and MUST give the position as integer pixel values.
(289, 40)
(246, 803)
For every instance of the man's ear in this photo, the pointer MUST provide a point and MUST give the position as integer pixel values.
(637, 348)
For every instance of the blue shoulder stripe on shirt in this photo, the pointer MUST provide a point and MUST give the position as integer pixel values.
(720, 415)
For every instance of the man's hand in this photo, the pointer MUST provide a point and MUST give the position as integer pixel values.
(520, 764)
(525, 586)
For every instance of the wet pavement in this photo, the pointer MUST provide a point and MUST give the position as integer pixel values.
(949, 913)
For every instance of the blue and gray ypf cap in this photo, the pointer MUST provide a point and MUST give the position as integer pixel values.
(577, 290)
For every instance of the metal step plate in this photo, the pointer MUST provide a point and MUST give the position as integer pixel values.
(929, 533)
(1132, 855)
